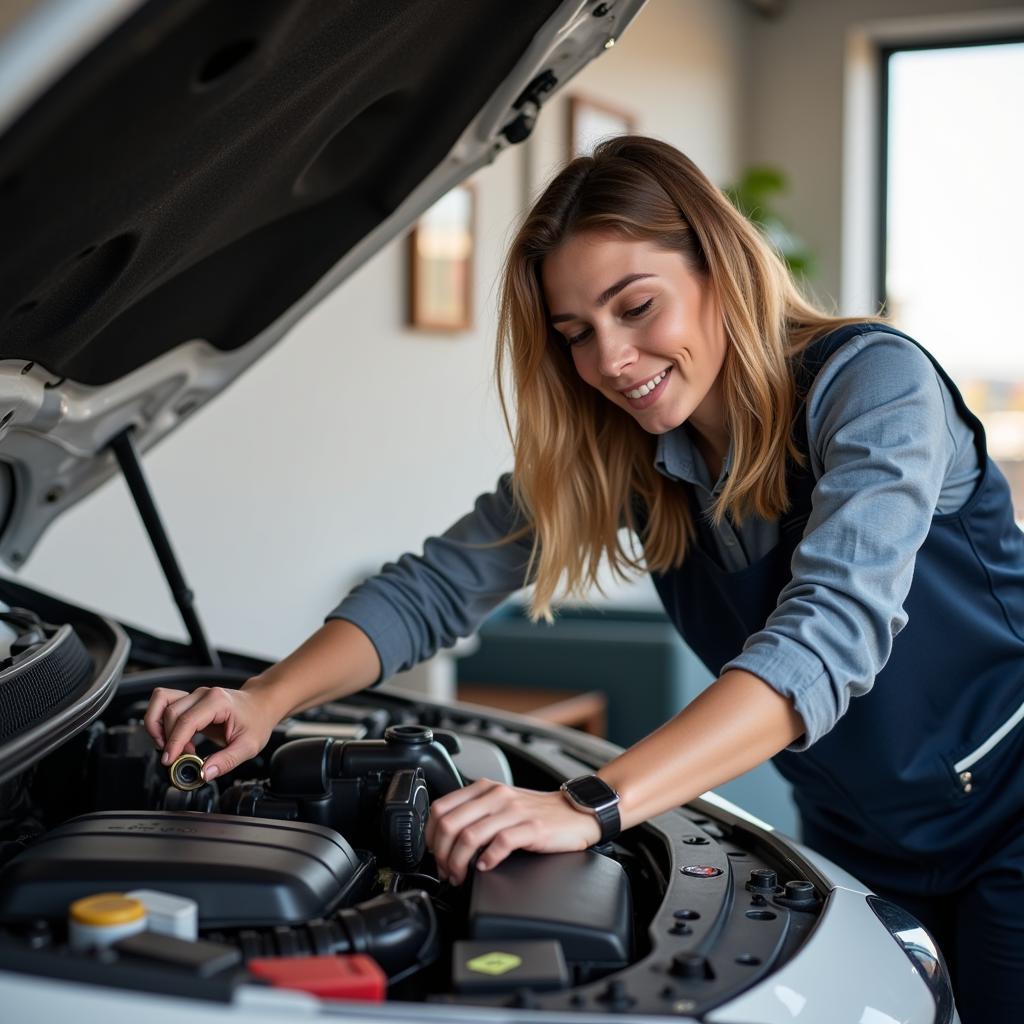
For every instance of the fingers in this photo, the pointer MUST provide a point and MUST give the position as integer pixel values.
(153, 720)
(489, 820)
(454, 812)
(480, 834)
(177, 727)
(518, 837)
(228, 759)
(460, 796)
(233, 716)
(205, 707)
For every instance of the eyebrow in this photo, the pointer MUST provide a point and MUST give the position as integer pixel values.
(606, 296)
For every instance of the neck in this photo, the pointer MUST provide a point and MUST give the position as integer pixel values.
(708, 427)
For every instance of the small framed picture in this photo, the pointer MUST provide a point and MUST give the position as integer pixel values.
(441, 263)
(591, 120)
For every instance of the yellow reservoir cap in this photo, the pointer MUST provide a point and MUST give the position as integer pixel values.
(107, 908)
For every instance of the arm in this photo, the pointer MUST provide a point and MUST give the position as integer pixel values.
(734, 725)
(395, 619)
(882, 444)
(421, 603)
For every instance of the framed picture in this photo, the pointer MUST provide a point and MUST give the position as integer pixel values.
(591, 120)
(441, 263)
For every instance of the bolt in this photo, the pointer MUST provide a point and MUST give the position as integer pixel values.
(799, 891)
(688, 965)
(762, 880)
(616, 996)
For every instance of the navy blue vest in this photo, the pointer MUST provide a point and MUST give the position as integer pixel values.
(888, 781)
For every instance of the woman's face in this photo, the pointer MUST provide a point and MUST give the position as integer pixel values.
(641, 328)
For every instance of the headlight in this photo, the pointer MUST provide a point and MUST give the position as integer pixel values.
(920, 948)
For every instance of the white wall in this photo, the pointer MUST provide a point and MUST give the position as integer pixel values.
(794, 117)
(356, 437)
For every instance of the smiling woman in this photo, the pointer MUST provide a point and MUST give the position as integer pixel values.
(799, 486)
(608, 284)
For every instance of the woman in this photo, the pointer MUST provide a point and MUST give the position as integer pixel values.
(803, 487)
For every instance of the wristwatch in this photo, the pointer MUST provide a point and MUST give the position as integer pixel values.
(591, 793)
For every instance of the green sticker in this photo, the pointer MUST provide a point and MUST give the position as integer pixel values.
(495, 963)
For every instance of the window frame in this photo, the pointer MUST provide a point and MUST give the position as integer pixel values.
(885, 53)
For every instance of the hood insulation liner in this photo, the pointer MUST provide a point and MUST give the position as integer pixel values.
(201, 169)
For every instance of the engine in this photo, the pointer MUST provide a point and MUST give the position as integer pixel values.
(306, 867)
(314, 848)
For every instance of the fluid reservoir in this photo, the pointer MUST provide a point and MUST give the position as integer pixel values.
(102, 919)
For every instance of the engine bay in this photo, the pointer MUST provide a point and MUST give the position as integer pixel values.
(315, 848)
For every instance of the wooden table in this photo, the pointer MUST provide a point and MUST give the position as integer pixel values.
(587, 711)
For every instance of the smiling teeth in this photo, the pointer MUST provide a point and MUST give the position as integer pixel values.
(646, 389)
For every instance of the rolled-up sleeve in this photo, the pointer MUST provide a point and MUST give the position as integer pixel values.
(880, 447)
(421, 603)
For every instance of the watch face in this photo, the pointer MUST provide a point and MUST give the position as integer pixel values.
(591, 790)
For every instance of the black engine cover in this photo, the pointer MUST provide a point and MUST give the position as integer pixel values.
(243, 872)
(581, 899)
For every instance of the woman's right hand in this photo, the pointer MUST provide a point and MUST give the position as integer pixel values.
(240, 720)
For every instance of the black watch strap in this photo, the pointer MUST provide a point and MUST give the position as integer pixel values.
(611, 824)
(591, 793)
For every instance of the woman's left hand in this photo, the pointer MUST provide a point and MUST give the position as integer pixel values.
(496, 819)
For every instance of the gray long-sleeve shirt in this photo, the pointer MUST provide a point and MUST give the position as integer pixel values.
(888, 450)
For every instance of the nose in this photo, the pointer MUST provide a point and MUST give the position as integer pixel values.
(616, 353)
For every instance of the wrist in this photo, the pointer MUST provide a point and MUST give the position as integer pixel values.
(269, 692)
(589, 826)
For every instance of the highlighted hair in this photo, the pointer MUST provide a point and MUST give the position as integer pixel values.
(581, 462)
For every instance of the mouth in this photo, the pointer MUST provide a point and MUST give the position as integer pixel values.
(648, 392)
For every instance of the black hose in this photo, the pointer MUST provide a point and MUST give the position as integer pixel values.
(398, 930)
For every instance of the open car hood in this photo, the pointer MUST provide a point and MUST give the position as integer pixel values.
(182, 180)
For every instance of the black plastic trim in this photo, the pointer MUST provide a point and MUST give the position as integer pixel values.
(120, 975)
(23, 750)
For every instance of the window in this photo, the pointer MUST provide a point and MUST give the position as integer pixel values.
(953, 224)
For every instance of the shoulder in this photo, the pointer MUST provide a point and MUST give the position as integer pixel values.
(874, 370)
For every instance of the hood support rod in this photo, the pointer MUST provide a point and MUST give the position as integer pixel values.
(128, 459)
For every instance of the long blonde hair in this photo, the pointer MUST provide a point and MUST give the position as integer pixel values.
(581, 462)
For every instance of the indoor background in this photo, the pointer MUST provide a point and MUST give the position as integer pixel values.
(358, 435)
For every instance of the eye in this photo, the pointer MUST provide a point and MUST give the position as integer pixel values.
(635, 313)
(575, 339)
(639, 311)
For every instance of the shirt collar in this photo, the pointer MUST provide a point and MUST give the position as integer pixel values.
(678, 458)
